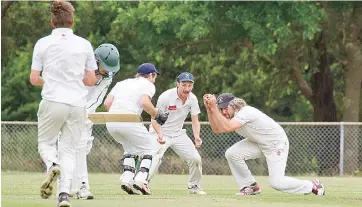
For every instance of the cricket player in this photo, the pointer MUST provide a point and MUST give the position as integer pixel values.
(180, 101)
(63, 64)
(263, 136)
(133, 96)
(108, 62)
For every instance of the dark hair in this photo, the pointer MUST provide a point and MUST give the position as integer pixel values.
(62, 13)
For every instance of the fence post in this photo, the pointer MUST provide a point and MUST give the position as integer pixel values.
(341, 149)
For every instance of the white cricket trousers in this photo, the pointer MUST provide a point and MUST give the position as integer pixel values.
(53, 118)
(80, 174)
(136, 140)
(185, 148)
(276, 156)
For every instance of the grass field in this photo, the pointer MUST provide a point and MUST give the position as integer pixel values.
(21, 189)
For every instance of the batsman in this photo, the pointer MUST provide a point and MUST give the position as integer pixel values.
(108, 61)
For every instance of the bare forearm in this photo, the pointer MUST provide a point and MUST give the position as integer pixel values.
(213, 123)
(150, 109)
(219, 120)
(156, 126)
(39, 81)
(196, 129)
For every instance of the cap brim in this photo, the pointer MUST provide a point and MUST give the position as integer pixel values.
(223, 105)
(186, 80)
(158, 73)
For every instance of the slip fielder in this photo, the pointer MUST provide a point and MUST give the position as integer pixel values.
(179, 102)
(132, 96)
(263, 137)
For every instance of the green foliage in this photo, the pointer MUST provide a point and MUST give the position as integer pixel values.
(238, 47)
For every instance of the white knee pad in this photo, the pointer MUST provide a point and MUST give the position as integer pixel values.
(145, 164)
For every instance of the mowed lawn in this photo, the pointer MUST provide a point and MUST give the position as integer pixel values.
(21, 189)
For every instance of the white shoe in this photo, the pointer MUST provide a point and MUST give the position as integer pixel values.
(196, 190)
(46, 188)
(84, 193)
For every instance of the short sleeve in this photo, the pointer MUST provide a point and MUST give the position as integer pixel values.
(243, 116)
(149, 89)
(114, 90)
(162, 102)
(195, 108)
(37, 61)
(91, 63)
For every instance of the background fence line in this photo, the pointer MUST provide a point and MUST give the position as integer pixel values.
(323, 148)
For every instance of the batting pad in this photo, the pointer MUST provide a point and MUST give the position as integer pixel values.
(103, 117)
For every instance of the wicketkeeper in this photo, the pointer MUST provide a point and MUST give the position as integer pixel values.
(132, 96)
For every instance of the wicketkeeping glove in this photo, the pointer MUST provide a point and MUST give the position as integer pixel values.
(161, 117)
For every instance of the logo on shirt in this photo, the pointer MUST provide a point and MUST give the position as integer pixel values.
(172, 107)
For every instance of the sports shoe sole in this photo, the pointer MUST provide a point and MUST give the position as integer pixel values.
(128, 189)
(253, 193)
(89, 197)
(46, 188)
(140, 188)
(64, 204)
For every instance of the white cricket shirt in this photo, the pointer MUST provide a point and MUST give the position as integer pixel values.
(97, 92)
(259, 127)
(178, 112)
(62, 57)
(127, 94)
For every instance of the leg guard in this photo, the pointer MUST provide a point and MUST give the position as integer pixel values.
(145, 165)
(128, 164)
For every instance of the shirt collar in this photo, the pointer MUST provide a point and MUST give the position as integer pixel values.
(57, 31)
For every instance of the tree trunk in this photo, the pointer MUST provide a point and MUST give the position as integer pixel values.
(326, 140)
(4, 7)
(351, 111)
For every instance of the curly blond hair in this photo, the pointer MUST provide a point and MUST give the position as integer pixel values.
(237, 103)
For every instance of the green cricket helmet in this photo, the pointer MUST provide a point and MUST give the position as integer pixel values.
(107, 56)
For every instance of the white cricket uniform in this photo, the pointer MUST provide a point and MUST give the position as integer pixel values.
(263, 136)
(94, 98)
(63, 58)
(134, 137)
(174, 134)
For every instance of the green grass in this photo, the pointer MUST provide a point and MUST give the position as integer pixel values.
(21, 189)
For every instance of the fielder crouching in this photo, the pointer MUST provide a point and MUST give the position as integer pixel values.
(263, 137)
(133, 96)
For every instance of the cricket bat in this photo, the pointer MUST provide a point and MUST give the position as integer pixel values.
(103, 117)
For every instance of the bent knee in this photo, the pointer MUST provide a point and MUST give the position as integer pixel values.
(276, 184)
(229, 154)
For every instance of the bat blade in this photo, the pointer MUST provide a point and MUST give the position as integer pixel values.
(103, 117)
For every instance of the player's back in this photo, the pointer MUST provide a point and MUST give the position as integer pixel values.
(64, 57)
(127, 94)
(258, 126)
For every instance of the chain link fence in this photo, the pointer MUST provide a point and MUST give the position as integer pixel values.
(326, 149)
